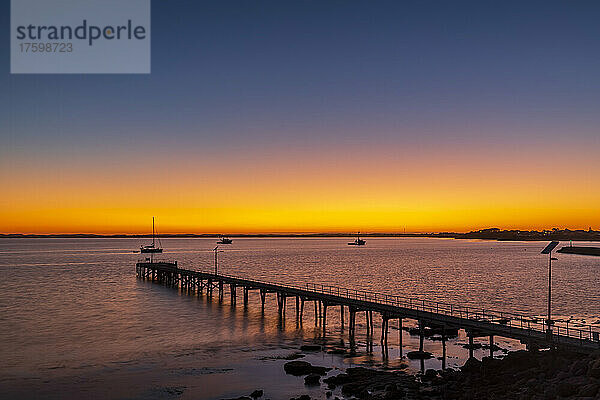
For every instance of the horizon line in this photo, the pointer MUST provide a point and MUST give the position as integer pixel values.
(292, 233)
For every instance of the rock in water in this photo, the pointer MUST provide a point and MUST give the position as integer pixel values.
(256, 394)
(312, 379)
(297, 368)
(472, 365)
(419, 355)
(310, 347)
(319, 370)
(430, 374)
(366, 383)
(303, 397)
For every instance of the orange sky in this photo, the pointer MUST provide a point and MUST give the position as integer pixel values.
(366, 188)
(284, 118)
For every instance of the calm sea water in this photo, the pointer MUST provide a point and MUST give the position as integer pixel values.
(75, 322)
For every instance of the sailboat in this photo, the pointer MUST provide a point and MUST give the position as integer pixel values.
(224, 240)
(151, 248)
(358, 241)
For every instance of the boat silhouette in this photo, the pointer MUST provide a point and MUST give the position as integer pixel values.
(358, 241)
(224, 240)
(152, 248)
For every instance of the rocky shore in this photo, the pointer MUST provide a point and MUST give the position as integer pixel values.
(543, 375)
(524, 375)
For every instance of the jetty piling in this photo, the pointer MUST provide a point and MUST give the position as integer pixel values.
(529, 330)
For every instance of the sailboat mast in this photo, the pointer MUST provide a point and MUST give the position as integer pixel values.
(152, 231)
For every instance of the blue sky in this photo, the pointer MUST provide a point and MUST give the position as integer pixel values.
(230, 77)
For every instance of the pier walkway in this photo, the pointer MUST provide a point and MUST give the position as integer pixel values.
(441, 317)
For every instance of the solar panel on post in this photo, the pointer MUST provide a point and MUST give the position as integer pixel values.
(550, 247)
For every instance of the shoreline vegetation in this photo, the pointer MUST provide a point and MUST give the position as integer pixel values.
(482, 234)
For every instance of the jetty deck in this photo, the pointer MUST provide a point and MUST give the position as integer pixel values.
(477, 322)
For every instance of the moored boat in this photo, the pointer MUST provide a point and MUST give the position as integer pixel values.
(224, 240)
(358, 241)
(152, 248)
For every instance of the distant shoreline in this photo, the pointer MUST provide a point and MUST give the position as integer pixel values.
(485, 234)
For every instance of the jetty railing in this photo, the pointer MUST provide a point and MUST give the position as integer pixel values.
(560, 329)
(157, 261)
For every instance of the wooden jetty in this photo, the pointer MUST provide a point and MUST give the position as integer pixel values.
(443, 317)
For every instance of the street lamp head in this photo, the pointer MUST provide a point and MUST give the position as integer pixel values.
(548, 250)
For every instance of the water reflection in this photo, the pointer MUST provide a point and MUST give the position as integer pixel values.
(72, 310)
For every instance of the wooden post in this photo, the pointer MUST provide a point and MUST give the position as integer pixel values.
(491, 346)
(400, 335)
(245, 297)
(280, 303)
(301, 309)
(421, 336)
(444, 347)
(387, 325)
(316, 314)
(470, 345)
(232, 291)
(342, 316)
(263, 295)
(320, 313)
(351, 323)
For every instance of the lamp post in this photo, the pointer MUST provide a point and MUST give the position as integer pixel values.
(217, 251)
(548, 250)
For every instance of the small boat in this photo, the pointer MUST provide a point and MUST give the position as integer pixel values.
(225, 240)
(358, 241)
(152, 248)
